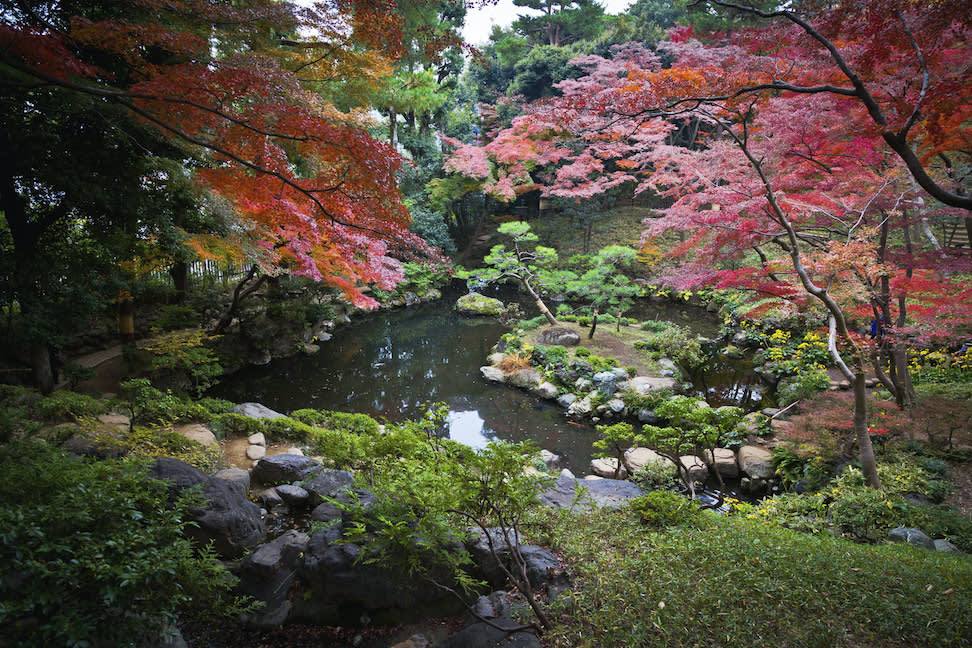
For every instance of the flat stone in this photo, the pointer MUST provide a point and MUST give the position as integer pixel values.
(598, 493)
(327, 482)
(257, 439)
(256, 452)
(781, 427)
(944, 545)
(197, 432)
(492, 374)
(118, 421)
(647, 384)
(495, 358)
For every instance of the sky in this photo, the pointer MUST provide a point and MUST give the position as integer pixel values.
(479, 22)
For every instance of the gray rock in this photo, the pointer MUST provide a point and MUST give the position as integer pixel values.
(482, 635)
(293, 496)
(944, 545)
(270, 499)
(284, 468)
(476, 304)
(267, 575)
(913, 537)
(697, 470)
(255, 410)
(492, 374)
(722, 460)
(495, 358)
(525, 378)
(646, 384)
(257, 439)
(583, 385)
(637, 458)
(235, 475)
(605, 381)
(580, 407)
(326, 512)
(229, 520)
(607, 467)
(256, 452)
(649, 416)
(755, 461)
(558, 335)
(198, 433)
(619, 373)
(615, 405)
(565, 400)
(546, 390)
(550, 459)
(327, 482)
(599, 493)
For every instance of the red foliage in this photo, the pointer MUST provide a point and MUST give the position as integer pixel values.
(315, 194)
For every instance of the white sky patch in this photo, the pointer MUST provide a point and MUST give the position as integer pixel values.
(479, 22)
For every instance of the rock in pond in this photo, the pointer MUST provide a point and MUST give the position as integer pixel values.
(756, 462)
(476, 304)
(492, 374)
(647, 384)
(722, 460)
(637, 458)
(608, 468)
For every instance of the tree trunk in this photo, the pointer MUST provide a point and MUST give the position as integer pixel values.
(868, 464)
(40, 363)
(179, 271)
(393, 128)
(126, 319)
(239, 294)
(590, 334)
(539, 302)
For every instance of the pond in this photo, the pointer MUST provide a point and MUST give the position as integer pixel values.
(392, 364)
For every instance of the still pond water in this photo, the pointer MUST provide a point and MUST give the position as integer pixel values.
(392, 364)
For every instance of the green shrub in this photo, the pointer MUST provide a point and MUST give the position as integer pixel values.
(68, 405)
(805, 384)
(176, 316)
(582, 352)
(675, 342)
(154, 442)
(93, 553)
(660, 509)
(224, 425)
(655, 326)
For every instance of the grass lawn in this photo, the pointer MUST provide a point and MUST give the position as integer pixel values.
(723, 581)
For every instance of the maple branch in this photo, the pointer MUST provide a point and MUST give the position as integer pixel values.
(896, 141)
(122, 98)
(925, 77)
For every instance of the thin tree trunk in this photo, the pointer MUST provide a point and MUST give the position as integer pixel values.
(179, 271)
(40, 363)
(241, 292)
(539, 302)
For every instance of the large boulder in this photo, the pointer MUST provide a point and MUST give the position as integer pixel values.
(722, 460)
(637, 458)
(914, 537)
(493, 374)
(476, 304)
(608, 467)
(606, 381)
(267, 575)
(284, 469)
(697, 470)
(255, 410)
(580, 407)
(325, 483)
(756, 462)
(558, 335)
(226, 518)
(525, 378)
(197, 432)
(596, 493)
(546, 390)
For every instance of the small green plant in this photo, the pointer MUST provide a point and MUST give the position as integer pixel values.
(62, 405)
(582, 352)
(660, 509)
